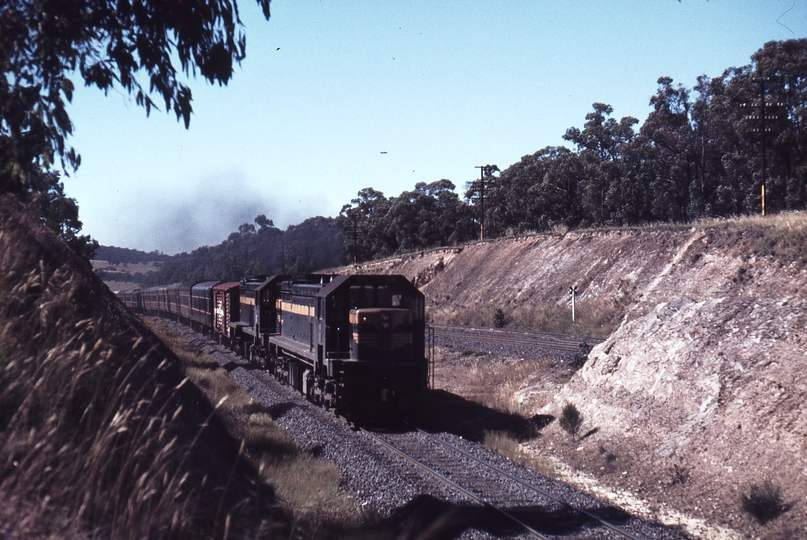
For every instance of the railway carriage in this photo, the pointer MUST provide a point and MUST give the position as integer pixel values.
(226, 310)
(133, 299)
(202, 306)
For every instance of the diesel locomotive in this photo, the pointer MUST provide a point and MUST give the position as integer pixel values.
(355, 343)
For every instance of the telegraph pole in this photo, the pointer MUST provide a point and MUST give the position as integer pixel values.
(573, 293)
(355, 240)
(763, 129)
(485, 171)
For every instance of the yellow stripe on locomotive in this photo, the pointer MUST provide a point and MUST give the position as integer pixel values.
(380, 333)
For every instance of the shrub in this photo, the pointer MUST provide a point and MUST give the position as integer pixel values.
(579, 359)
(570, 419)
(764, 502)
(498, 318)
(679, 474)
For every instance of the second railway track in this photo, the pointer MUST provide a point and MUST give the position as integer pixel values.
(523, 342)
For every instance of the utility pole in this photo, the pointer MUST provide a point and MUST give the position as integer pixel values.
(763, 129)
(355, 240)
(573, 293)
(486, 172)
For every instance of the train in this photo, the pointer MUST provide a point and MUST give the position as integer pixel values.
(357, 344)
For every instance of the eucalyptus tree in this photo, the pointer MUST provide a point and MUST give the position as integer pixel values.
(365, 222)
(143, 47)
(431, 215)
(600, 145)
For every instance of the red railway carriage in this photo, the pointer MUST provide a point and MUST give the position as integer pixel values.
(226, 308)
(132, 299)
(182, 302)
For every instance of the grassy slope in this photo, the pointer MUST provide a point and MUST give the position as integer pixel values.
(101, 433)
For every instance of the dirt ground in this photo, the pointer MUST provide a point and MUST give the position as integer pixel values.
(612, 469)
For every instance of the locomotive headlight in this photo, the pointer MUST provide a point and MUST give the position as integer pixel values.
(385, 320)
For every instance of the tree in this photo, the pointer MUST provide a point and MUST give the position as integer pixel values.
(60, 214)
(132, 44)
(431, 215)
(263, 222)
(366, 225)
(601, 145)
(667, 141)
(478, 190)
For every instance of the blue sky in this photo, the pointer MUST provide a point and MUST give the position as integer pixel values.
(336, 96)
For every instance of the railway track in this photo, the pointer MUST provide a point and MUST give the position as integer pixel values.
(521, 501)
(524, 339)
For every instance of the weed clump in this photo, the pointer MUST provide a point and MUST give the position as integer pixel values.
(499, 320)
(570, 419)
(764, 502)
(679, 474)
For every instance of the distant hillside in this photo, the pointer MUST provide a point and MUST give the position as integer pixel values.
(314, 244)
(116, 255)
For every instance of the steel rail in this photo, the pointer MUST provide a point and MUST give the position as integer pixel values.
(522, 332)
(526, 484)
(446, 480)
(518, 342)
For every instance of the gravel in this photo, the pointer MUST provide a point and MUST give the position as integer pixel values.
(381, 483)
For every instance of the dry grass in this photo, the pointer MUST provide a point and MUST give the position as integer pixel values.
(597, 317)
(508, 446)
(101, 434)
(493, 383)
(308, 485)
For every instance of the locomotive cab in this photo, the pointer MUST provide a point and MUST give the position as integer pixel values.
(355, 343)
(381, 334)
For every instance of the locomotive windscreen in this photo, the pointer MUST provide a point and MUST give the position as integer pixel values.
(379, 296)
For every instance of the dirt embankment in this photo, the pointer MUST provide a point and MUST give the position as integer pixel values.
(700, 389)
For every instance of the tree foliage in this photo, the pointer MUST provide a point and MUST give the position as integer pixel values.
(696, 155)
(428, 216)
(143, 47)
(60, 214)
(313, 245)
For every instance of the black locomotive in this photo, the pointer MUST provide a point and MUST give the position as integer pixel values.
(356, 343)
